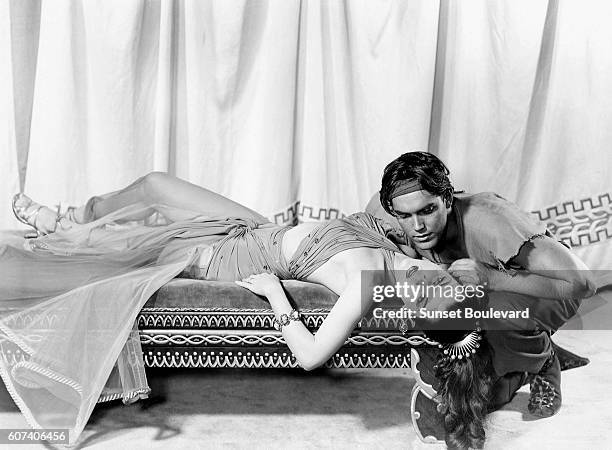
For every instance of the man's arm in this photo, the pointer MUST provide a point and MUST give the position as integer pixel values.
(550, 271)
(498, 232)
(553, 266)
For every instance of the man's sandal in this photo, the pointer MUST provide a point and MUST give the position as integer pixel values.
(545, 395)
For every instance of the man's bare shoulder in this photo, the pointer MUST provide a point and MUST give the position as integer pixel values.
(492, 206)
(486, 200)
(493, 228)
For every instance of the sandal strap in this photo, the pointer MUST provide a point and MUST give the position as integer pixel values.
(30, 217)
(67, 214)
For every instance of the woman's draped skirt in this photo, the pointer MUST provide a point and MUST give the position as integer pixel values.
(68, 303)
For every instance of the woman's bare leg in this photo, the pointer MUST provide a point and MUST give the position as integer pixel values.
(176, 199)
(129, 195)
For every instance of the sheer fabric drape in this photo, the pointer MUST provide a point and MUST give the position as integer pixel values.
(68, 304)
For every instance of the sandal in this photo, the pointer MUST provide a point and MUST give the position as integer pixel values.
(28, 211)
(545, 391)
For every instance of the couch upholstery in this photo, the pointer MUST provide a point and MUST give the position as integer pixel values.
(196, 323)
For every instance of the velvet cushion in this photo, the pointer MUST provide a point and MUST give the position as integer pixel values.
(187, 293)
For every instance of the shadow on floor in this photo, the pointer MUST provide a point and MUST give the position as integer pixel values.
(379, 401)
(6, 402)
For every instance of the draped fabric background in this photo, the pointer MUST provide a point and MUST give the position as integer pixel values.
(293, 108)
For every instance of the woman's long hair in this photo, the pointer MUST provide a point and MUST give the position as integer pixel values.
(465, 393)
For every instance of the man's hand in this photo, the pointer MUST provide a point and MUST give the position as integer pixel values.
(261, 284)
(467, 271)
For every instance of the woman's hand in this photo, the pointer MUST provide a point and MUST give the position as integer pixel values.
(264, 284)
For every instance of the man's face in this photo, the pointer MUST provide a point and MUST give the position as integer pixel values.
(423, 217)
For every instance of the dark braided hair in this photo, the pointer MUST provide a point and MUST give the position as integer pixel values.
(424, 167)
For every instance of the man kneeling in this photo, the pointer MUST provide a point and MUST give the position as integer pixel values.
(486, 240)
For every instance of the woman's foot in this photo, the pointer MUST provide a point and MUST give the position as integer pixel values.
(43, 219)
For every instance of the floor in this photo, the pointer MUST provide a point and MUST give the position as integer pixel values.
(333, 409)
(267, 409)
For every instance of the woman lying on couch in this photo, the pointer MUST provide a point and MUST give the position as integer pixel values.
(70, 298)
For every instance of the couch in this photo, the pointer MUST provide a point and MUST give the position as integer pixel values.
(212, 324)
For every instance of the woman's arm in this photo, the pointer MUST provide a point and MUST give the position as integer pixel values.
(312, 350)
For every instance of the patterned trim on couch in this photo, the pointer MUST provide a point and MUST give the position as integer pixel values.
(219, 318)
(268, 358)
(238, 318)
(272, 338)
(26, 320)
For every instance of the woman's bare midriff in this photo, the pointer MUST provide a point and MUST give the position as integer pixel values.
(294, 236)
(335, 272)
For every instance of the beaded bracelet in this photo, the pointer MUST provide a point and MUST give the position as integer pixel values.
(285, 319)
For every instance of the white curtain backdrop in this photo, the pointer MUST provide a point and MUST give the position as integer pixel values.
(522, 107)
(293, 108)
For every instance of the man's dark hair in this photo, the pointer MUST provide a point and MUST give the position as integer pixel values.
(424, 167)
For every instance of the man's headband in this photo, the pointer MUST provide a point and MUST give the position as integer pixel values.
(406, 187)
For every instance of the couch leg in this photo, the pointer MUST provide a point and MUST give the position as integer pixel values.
(428, 423)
